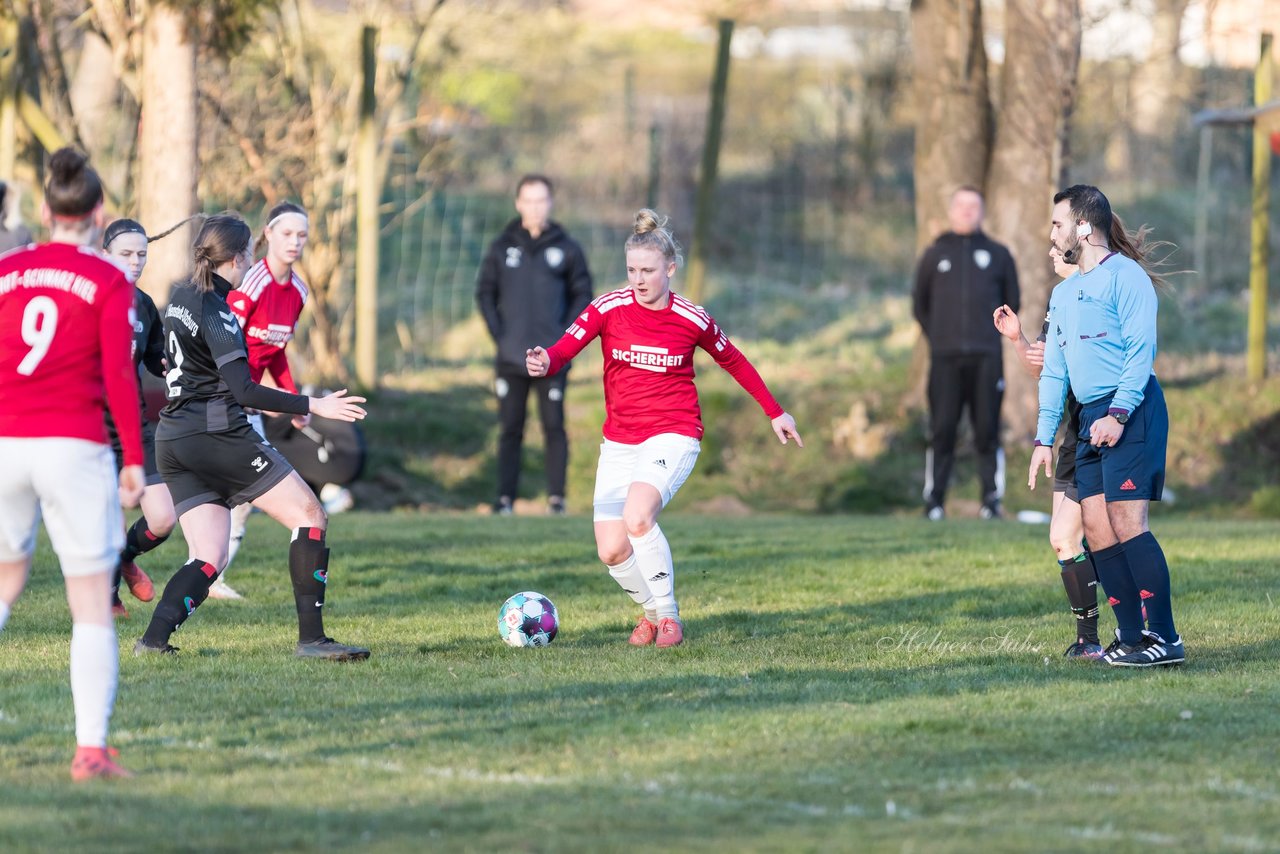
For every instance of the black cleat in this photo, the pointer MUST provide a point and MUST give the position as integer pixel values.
(1152, 651)
(329, 649)
(143, 648)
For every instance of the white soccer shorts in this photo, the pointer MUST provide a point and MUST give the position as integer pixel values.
(72, 484)
(663, 461)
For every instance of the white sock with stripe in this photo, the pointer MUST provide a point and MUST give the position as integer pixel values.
(628, 576)
(653, 555)
(95, 663)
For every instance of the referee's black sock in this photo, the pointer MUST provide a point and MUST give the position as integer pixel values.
(1122, 592)
(309, 571)
(1081, 581)
(139, 540)
(182, 595)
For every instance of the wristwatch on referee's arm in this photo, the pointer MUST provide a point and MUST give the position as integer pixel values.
(1120, 415)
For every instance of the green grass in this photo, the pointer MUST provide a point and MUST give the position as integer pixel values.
(847, 684)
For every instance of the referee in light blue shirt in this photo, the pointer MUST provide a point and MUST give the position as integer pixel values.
(1102, 342)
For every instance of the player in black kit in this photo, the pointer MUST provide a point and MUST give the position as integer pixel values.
(125, 242)
(213, 460)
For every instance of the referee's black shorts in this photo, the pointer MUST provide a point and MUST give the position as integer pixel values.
(219, 468)
(1064, 473)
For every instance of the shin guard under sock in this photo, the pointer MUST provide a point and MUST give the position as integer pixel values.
(309, 571)
(182, 595)
(139, 540)
(1081, 582)
(653, 557)
(1122, 593)
(1150, 573)
(632, 582)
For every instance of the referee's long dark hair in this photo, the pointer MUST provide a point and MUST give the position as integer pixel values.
(221, 238)
(1088, 204)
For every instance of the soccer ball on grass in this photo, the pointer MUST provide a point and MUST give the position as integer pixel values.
(528, 619)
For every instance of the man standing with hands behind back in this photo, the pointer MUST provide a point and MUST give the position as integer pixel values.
(963, 277)
(533, 282)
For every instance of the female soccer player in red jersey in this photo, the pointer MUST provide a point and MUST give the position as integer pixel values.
(653, 425)
(125, 241)
(212, 459)
(64, 347)
(268, 304)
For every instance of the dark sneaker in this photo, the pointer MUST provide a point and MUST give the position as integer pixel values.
(1115, 649)
(1084, 649)
(1152, 651)
(330, 650)
(991, 510)
(143, 648)
(935, 513)
(503, 507)
(555, 505)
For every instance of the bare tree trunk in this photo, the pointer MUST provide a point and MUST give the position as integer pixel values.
(953, 124)
(1039, 88)
(1158, 91)
(953, 107)
(168, 162)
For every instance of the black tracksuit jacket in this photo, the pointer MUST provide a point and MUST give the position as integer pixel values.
(960, 282)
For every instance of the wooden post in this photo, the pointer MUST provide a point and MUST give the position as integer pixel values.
(1203, 192)
(8, 95)
(703, 210)
(368, 195)
(655, 165)
(1258, 252)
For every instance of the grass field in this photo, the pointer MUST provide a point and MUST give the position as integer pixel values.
(849, 684)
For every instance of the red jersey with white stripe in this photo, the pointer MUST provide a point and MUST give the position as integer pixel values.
(648, 364)
(268, 312)
(66, 335)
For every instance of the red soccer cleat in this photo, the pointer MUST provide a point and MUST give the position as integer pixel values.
(670, 633)
(139, 582)
(119, 611)
(644, 632)
(91, 763)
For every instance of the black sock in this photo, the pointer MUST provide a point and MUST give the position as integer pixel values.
(116, 578)
(1122, 593)
(1150, 573)
(139, 540)
(309, 570)
(1081, 581)
(182, 595)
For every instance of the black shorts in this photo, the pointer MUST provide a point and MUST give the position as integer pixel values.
(219, 468)
(1064, 473)
(149, 467)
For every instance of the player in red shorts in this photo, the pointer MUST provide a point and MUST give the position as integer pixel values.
(268, 304)
(64, 348)
(653, 424)
(125, 242)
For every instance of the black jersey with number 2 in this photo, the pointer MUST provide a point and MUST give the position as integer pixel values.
(208, 382)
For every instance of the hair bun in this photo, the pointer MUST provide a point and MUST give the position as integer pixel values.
(648, 220)
(66, 164)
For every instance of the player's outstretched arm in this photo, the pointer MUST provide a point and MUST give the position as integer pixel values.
(784, 427)
(338, 406)
(537, 361)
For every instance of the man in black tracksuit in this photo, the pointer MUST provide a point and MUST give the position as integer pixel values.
(963, 277)
(533, 282)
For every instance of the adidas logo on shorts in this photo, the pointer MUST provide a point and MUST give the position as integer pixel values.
(660, 463)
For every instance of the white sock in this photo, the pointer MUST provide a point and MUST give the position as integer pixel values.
(653, 556)
(239, 516)
(4, 614)
(95, 662)
(628, 576)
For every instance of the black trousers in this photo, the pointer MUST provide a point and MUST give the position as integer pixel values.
(957, 382)
(513, 400)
